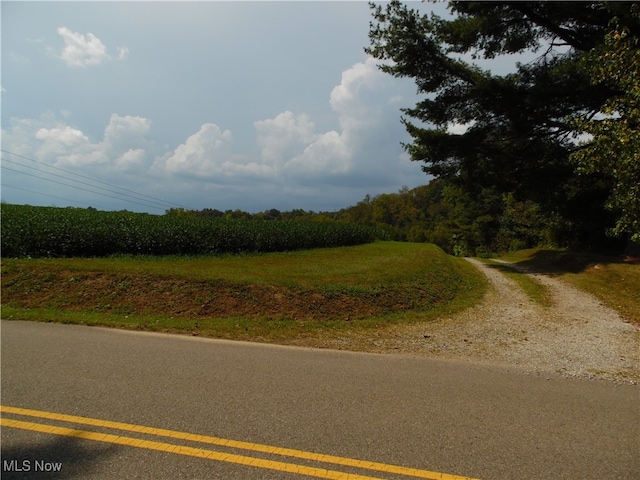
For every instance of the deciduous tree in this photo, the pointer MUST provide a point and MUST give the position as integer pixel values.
(615, 145)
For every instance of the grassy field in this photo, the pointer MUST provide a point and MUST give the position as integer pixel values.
(614, 280)
(275, 297)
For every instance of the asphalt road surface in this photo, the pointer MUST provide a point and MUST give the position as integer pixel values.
(84, 402)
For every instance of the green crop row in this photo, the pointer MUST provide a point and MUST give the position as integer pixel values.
(29, 231)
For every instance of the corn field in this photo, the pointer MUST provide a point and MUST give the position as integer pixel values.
(29, 231)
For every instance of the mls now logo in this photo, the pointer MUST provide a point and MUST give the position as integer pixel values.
(28, 466)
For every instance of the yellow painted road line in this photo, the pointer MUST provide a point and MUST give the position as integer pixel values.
(256, 447)
(180, 450)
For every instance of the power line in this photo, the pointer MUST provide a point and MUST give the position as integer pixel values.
(95, 180)
(4, 185)
(92, 179)
(77, 181)
(79, 188)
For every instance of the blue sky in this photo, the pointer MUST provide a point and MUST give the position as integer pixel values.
(227, 105)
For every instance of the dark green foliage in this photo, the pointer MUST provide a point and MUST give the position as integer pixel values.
(457, 221)
(65, 232)
(521, 127)
(615, 148)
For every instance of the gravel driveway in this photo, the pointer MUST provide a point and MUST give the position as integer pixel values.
(576, 336)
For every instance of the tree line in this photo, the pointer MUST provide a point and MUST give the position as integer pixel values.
(546, 155)
(559, 135)
(440, 212)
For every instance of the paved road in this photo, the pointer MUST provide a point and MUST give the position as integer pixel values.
(418, 413)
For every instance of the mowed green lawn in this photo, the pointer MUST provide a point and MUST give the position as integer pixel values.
(269, 297)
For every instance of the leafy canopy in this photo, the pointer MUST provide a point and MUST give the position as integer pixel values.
(615, 144)
(521, 127)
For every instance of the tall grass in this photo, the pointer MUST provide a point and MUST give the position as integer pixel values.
(29, 231)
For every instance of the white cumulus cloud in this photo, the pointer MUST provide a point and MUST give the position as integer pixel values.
(201, 154)
(284, 136)
(329, 155)
(60, 141)
(207, 157)
(85, 50)
(358, 98)
(123, 146)
(130, 159)
(122, 143)
(122, 131)
(366, 149)
(291, 164)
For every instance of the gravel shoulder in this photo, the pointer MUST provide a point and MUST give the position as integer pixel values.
(576, 336)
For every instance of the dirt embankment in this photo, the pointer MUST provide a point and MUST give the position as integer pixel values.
(142, 294)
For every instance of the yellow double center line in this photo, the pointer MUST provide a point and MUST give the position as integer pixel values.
(210, 454)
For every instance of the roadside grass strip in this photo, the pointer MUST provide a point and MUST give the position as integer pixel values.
(303, 297)
(210, 454)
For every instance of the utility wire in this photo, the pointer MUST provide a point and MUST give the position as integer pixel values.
(94, 180)
(4, 185)
(79, 188)
(78, 181)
